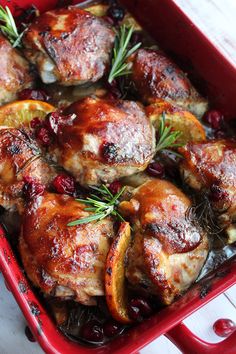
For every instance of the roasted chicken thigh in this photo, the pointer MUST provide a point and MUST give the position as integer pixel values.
(108, 139)
(70, 46)
(63, 261)
(14, 72)
(20, 158)
(156, 77)
(210, 167)
(169, 248)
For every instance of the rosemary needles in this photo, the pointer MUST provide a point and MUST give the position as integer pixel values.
(121, 51)
(8, 27)
(101, 205)
(167, 138)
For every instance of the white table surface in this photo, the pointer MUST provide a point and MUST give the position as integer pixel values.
(14, 341)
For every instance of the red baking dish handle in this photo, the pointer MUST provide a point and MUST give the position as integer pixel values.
(189, 343)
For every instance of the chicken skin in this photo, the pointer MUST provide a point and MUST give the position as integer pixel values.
(70, 46)
(156, 77)
(20, 158)
(169, 248)
(108, 139)
(210, 167)
(14, 72)
(63, 261)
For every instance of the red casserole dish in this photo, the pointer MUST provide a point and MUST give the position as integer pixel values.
(176, 34)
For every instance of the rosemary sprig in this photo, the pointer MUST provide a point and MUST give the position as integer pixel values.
(8, 27)
(119, 67)
(167, 138)
(102, 204)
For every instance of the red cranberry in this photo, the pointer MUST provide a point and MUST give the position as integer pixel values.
(156, 169)
(111, 328)
(64, 184)
(224, 327)
(139, 308)
(217, 194)
(32, 188)
(116, 12)
(29, 334)
(31, 94)
(214, 118)
(35, 122)
(92, 331)
(43, 136)
(115, 187)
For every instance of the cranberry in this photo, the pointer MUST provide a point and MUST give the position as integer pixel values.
(214, 118)
(156, 169)
(31, 94)
(224, 327)
(111, 328)
(217, 194)
(64, 184)
(92, 331)
(139, 308)
(32, 188)
(115, 187)
(43, 136)
(219, 134)
(29, 334)
(116, 12)
(35, 122)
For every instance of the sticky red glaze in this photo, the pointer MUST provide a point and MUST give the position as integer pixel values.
(211, 162)
(156, 76)
(76, 41)
(120, 127)
(55, 254)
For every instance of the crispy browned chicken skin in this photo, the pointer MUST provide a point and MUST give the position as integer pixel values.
(168, 248)
(64, 261)
(14, 72)
(20, 157)
(70, 46)
(107, 140)
(155, 76)
(210, 167)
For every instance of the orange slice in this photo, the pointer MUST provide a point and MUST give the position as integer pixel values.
(115, 290)
(20, 113)
(179, 119)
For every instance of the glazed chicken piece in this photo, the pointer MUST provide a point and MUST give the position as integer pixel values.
(156, 77)
(64, 261)
(70, 46)
(169, 248)
(108, 139)
(14, 72)
(20, 158)
(210, 167)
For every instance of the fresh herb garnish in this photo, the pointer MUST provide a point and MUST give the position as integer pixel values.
(119, 67)
(8, 27)
(167, 137)
(102, 204)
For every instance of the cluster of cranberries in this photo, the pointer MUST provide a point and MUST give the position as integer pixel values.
(95, 331)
